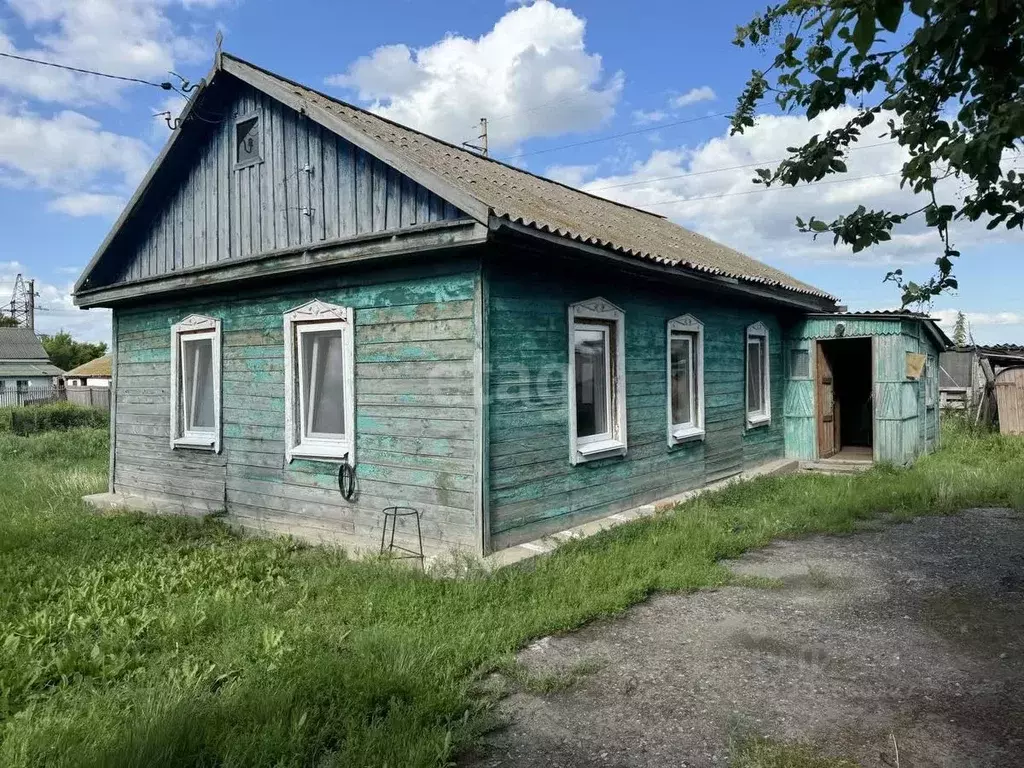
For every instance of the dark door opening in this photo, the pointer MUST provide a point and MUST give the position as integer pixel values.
(844, 394)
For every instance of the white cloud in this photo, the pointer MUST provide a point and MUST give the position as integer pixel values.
(131, 38)
(709, 188)
(573, 175)
(66, 151)
(531, 75)
(87, 204)
(693, 96)
(643, 117)
(947, 318)
(55, 309)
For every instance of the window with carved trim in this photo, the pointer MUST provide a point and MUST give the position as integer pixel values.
(320, 382)
(597, 381)
(195, 383)
(759, 396)
(685, 379)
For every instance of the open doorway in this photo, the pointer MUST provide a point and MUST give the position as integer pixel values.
(844, 399)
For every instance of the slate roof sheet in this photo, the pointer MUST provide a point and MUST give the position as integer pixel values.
(99, 367)
(21, 344)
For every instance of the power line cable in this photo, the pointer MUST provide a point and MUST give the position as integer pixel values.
(769, 189)
(718, 170)
(615, 136)
(165, 86)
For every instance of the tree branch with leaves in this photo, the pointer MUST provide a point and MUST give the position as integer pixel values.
(952, 73)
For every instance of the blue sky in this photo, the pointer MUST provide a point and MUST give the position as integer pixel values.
(547, 75)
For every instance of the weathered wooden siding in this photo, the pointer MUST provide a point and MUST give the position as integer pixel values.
(533, 487)
(415, 409)
(904, 427)
(311, 186)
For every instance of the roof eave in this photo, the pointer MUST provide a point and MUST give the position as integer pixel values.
(774, 293)
(756, 288)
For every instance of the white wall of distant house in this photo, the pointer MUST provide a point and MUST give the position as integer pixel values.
(89, 381)
(33, 382)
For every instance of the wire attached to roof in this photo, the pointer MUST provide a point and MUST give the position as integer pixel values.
(616, 136)
(165, 86)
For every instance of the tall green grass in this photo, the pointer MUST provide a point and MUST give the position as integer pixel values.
(135, 641)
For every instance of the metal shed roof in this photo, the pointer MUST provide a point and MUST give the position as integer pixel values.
(27, 369)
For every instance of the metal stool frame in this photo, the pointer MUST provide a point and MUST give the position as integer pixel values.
(393, 513)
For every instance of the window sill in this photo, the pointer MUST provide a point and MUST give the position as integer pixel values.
(196, 443)
(686, 435)
(335, 453)
(601, 449)
(760, 420)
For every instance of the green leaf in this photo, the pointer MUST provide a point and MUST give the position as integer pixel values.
(920, 7)
(889, 13)
(818, 226)
(864, 32)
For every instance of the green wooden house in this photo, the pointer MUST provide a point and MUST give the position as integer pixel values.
(303, 291)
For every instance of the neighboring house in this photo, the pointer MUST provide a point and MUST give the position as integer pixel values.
(26, 373)
(95, 373)
(300, 286)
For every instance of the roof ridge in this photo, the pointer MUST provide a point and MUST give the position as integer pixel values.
(462, 150)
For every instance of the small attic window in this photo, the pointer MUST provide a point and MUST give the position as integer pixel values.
(247, 141)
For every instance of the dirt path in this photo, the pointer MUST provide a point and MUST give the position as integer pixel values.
(916, 631)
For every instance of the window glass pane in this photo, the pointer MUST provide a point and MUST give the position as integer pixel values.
(247, 140)
(197, 384)
(592, 385)
(323, 381)
(683, 384)
(755, 375)
(800, 364)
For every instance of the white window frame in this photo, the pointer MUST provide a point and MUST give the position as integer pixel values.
(315, 316)
(195, 328)
(764, 416)
(693, 429)
(590, 314)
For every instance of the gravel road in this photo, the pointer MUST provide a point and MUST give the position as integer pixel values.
(914, 631)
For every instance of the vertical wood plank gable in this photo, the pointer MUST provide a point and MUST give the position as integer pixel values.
(211, 211)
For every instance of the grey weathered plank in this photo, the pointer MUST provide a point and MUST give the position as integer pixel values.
(393, 202)
(304, 179)
(277, 171)
(329, 216)
(380, 196)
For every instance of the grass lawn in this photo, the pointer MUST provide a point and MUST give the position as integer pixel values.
(132, 641)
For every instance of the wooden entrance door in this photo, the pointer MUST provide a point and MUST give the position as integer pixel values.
(828, 408)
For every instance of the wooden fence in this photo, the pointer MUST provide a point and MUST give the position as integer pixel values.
(96, 397)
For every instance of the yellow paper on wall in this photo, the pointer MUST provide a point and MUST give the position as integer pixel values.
(915, 365)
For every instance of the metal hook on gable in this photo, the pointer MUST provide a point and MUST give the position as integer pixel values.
(187, 86)
(173, 123)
